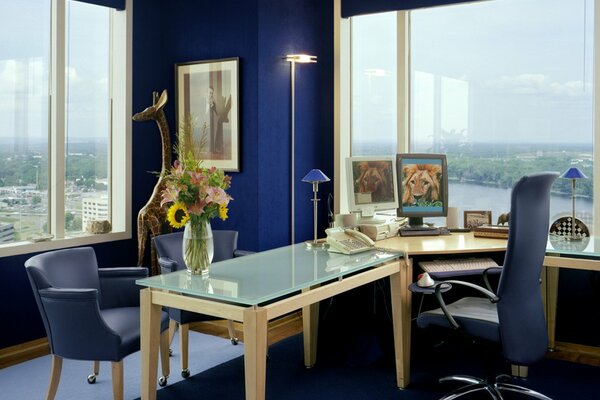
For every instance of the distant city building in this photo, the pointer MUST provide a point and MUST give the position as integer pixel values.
(7, 232)
(94, 209)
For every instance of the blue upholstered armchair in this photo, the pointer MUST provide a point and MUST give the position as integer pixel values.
(170, 253)
(514, 316)
(89, 313)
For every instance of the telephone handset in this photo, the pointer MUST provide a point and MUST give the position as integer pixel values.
(348, 241)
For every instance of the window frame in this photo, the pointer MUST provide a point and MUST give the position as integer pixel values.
(343, 93)
(120, 137)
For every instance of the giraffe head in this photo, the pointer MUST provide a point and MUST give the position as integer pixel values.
(157, 104)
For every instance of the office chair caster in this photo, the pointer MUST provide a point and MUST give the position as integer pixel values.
(91, 379)
(162, 381)
(170, 352)
(185, 373)
(234, 341)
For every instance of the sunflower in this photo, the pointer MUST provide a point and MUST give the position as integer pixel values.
(223, 212)
(177, 215)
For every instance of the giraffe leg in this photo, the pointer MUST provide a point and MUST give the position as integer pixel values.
(154, 231)
(142, 237)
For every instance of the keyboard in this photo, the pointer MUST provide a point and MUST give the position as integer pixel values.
(457, 265)
(408, 231)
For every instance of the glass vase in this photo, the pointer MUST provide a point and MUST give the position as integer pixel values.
(198, 247)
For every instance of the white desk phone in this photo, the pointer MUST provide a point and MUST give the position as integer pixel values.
(348, 241)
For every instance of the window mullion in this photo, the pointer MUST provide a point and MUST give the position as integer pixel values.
(403, 81)
(58, 120)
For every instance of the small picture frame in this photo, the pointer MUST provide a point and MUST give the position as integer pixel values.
(477, 218)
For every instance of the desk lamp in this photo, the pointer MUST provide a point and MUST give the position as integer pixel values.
(573, 173)
(315, 176)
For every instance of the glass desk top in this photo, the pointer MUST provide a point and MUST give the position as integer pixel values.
(588, 247)
(261, 277)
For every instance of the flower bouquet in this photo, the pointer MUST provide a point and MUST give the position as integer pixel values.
(196, 195)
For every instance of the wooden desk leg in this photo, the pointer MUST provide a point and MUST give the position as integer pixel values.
(255, 352)
(551, 297)
(401, 316)
(149, 342)
(310, 327)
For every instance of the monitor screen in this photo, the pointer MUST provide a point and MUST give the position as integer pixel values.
(372, 184)
(423, 186)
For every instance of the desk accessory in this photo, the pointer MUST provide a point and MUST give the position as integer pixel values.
(491, 231)
(424, 280)
(315, 176)
(573, 228)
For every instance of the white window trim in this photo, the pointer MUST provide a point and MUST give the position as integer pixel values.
(120, 143)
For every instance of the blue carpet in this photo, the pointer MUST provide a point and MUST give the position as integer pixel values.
(288, 379)
(29, 380)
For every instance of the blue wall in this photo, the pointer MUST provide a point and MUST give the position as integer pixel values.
(260, 33)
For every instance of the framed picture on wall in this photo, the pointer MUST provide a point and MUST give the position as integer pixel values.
(207, 110)
(477, 218)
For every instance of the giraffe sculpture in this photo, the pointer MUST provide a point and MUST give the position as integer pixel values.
(152, 217)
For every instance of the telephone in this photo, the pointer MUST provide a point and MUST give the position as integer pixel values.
(347, 241)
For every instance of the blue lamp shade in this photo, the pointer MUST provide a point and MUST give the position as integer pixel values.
(315, 175)
(573, 173)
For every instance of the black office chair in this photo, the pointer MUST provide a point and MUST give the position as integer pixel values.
(89, 313)
(514, 317)
(169, 250)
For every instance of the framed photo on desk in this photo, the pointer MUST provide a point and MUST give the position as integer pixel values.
(477, 218)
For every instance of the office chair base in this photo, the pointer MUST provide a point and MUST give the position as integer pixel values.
(494, 389)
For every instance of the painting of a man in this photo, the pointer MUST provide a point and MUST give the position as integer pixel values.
(208, 98)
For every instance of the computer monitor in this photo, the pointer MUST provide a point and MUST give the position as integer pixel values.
(423, 186)
(372, 185)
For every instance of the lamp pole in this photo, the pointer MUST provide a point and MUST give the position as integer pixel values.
(293, 59)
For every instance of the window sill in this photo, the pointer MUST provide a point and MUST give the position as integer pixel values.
(25, 247)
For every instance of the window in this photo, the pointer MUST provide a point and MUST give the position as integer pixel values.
(502, 87)
(63, 133)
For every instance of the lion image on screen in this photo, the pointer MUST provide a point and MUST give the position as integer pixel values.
(421, 185)
(374, 177)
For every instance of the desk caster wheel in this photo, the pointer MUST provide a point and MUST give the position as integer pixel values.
(162, 381)
(170, 352)
(185, 373)
(234, 341)
(91, 379)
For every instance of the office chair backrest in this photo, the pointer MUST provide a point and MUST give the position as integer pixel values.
(69, 268)
(225, 244)
(169, 245)
(520, 310)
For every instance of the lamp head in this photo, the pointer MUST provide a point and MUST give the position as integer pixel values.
(315, 176)
(573, 173)
(301, 58)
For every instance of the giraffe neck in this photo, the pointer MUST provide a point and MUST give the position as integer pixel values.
(163, 127)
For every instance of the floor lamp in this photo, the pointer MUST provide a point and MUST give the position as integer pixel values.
(293, 59)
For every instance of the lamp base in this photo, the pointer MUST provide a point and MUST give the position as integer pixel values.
(316, 244)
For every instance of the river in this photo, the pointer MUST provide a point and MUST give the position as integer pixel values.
(468, 196)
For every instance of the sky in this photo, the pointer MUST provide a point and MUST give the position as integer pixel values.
(497, 71)
(25, 67)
